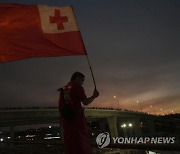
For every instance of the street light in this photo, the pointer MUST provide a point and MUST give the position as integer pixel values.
(123, 125)
(115, 97)
(162, 111)
(130, 125)
(139, 105)
(153, 109)
(127, 128)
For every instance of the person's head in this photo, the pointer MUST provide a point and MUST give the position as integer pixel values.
(78, 77)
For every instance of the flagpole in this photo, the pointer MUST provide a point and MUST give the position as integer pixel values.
(91, 70)
(87, 57)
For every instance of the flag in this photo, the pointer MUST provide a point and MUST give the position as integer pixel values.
(29, 31)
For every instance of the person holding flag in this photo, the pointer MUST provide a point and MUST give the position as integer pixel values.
(76, 137)
(38, 31)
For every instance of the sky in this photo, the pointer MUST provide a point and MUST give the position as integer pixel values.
(133, 46)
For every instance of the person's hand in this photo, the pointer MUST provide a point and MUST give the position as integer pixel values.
(95, 93)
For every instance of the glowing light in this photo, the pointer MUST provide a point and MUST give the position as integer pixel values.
(49, 138)
(29, 136)
(123, 126)
(130, 125)
(48, 134)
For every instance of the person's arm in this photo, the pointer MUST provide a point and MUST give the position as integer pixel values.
(88, 100)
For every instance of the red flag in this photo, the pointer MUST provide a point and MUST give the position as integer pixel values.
(28, 31)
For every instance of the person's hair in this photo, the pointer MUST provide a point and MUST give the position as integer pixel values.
(77, 74)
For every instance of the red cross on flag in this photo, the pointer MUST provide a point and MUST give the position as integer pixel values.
(29, 31)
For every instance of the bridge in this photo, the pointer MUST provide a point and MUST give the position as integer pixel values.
(20, 117)
(114, 118)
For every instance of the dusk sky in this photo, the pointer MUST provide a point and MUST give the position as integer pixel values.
(133, 46)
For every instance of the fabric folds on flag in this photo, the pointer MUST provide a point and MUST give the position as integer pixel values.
(29, 31)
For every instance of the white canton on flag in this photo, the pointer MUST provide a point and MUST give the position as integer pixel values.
(57, 19)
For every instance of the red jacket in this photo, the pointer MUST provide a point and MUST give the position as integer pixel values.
(76, 136)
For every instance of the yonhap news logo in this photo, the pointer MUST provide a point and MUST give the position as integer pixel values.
(103, 140)
(144, 140)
